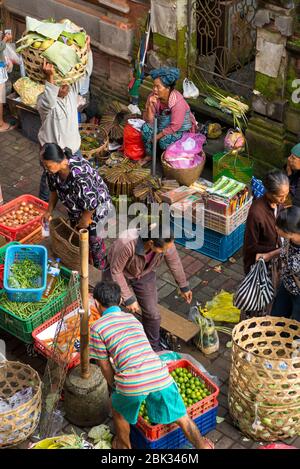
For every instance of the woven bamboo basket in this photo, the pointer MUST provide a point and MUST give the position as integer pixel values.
(98, 132)
(19, 424)
(264, 385)
(184, 177)
(65, 243)
(33, 62)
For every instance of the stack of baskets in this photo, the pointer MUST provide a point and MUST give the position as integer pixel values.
(204, 413)
(19, 423)
(264, 387)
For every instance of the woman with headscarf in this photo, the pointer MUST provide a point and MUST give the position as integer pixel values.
(173, 113)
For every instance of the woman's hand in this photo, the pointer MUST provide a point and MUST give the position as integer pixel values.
(265, 257)
(7, 38)
(47, 216)
(88, 42)
(85, 221)
(187, 296)
(153, 99)
(48, 69)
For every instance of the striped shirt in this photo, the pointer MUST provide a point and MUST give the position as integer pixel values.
(138, 370)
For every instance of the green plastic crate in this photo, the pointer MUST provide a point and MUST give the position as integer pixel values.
(22, 328)
(3, 250)
(238, 167)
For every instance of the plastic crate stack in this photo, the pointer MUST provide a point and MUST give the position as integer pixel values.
(223, 229)
(204, 413)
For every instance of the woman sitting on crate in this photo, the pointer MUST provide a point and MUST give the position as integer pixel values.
(261, 237)
(138, 374)
(174, 116)
(82, 191)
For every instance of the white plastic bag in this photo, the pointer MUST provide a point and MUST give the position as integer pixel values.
(11, 55)
(190, 90)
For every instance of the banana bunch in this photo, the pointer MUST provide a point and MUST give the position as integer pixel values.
(34, 40)
(42, 45)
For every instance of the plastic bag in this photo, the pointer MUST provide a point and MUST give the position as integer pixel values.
(189, 144)
(185, 162)
(278, 446)
(221, 308)
(28, 90)
(133, 143)
(11, 55)
(208, 339)
(190, 90)
(234, 140)
(258, 189)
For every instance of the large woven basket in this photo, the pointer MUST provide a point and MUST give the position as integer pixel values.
(184, 177)
(33, 62)
(65, 243)
(98, 132)
(19, 424)
(264, 385)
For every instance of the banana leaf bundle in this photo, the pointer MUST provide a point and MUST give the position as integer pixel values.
(150, 190)
(114, 120)
(121, 179)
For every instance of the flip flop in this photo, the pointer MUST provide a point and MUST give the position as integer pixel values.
(10, 127)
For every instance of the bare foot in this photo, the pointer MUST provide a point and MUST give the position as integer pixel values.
(5, 127)
(145, 160)
(117, 444)
(207, 444)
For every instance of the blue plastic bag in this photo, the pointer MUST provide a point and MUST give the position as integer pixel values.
(258, 189)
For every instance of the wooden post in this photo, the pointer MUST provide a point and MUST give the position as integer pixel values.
(154, 148)
(84, 290)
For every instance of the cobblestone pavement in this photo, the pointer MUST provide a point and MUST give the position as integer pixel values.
(20, 173)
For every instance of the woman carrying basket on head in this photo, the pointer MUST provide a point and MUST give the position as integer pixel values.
(81, 190)
(174, 116)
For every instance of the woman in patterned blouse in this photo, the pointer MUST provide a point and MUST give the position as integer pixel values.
(287, 301)
(81, 190)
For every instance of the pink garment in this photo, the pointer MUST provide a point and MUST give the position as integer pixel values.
(178, 107)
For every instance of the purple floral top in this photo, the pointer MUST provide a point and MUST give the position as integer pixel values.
(83, 190)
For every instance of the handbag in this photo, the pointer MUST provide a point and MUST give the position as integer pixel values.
(256, 290)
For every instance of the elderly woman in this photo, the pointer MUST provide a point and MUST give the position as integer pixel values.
(287, 301)
(173, 113)
(261, 237)
(81, 190)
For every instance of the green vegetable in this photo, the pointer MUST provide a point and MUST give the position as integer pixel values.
(27, 310)
(25, 274)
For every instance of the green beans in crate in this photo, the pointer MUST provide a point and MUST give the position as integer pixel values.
(20, 319)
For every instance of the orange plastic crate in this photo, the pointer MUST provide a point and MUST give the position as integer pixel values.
(153, 432)
(20, 232)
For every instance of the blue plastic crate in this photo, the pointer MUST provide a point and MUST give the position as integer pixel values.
(37, 254)
(175, 439)
(216, 245)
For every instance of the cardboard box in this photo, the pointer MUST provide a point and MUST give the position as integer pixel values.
(177, 194)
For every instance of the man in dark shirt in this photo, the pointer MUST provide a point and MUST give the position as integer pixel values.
(293, 172)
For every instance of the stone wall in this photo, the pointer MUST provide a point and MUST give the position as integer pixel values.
(112, 26)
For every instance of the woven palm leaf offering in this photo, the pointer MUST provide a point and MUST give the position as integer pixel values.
(150, 190)
(114, 120)
(121, 179)
(64, 44)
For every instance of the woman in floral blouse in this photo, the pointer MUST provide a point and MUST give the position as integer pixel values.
(82, 191)
(287, 301)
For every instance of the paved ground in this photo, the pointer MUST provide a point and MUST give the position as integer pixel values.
(20, 173)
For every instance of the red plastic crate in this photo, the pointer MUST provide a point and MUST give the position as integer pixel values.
(45, 350)
(153, 432)
(20, 232)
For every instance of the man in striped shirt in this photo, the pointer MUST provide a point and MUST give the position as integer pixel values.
(137, 373)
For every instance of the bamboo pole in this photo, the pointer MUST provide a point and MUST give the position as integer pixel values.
(154, 147)
(84, 289)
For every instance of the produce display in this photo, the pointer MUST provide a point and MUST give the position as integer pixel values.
(122, 178)
(28, 309)
(25, 274)
(89, 143)
(192, 390)
(63, 442)
(28, 90)
(22, 215)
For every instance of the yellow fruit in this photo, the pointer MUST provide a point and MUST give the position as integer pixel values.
(46, 44)
(70, 42)
(36, 44)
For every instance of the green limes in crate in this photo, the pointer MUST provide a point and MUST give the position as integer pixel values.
(191, 388)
